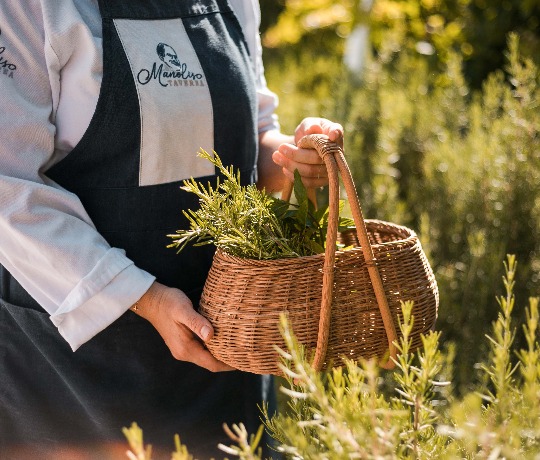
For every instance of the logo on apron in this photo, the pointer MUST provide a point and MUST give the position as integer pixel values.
(177, 122)
(171, 72)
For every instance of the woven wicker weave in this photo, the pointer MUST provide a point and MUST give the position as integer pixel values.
(341, 303)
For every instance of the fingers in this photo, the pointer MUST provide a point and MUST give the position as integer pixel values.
(298, 155)
(197, 323)
(313, 125)
(184, 341)
(183, 329)
(186, 347)
(307, 161)
(308, 181)
(203, 358)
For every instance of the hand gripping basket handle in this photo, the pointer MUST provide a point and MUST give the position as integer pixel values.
(332, 155)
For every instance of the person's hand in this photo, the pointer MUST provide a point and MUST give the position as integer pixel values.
(181, 327)
(308, 162)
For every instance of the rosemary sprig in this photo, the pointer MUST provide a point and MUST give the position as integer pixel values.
(247, 222)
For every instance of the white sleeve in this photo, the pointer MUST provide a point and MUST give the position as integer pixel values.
(268, 101)
(249, 16)
(47, 241)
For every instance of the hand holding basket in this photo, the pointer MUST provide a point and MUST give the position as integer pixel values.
(339, 304)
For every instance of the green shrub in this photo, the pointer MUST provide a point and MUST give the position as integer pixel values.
(462, 168)
(344, 414)
(348, 413)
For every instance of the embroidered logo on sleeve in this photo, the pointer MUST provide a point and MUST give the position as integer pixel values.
(7, 68)
(175, 73)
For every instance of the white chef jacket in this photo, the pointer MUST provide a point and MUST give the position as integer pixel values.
(50, 75)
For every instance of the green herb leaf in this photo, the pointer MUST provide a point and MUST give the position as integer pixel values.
(301, 197)
(246, 222)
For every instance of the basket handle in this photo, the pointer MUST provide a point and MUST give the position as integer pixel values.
(332, 155)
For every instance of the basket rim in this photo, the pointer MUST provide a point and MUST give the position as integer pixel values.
(411, 238)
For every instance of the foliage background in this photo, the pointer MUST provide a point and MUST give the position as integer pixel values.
(442, 132)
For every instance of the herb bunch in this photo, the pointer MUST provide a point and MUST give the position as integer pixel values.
(247, 222)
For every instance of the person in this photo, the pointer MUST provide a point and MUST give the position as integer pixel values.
(104, 105)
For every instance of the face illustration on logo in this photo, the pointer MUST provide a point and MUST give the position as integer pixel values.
(167, 54)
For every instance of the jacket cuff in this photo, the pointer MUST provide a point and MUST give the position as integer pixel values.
(93, 304)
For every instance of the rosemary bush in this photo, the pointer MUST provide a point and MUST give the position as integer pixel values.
(461, 167)
(348, 413)
(345, 414)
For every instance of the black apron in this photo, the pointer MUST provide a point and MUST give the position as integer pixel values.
(157, 55)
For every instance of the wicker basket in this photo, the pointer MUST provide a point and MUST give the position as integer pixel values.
(341, 303)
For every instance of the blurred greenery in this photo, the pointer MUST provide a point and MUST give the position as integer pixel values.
(442, 132)
(476, 29)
